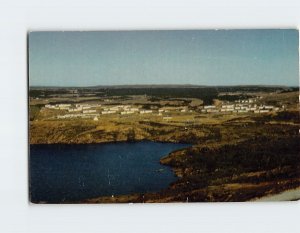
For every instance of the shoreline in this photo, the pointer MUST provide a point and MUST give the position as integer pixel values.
(110, 142)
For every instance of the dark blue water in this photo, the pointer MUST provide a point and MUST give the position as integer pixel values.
(76, 172)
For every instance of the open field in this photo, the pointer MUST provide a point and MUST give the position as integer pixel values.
(245, 141)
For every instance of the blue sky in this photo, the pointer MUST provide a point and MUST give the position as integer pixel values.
(203, 57)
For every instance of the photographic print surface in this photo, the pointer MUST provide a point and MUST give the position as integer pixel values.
(164, 116)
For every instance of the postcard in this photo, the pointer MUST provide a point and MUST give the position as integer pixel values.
(163, 116)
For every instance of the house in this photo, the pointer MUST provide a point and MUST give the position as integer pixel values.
(108, 112)
(145, 111)
(126, 112)
(228, 106)
(89, 111)
(209, 107)
(74, 109)
(64, 105)
(269, 107)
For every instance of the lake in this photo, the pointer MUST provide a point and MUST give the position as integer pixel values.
(61, 172)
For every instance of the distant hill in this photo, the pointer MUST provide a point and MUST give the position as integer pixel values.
(143, 86)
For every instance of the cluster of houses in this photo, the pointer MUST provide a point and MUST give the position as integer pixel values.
(73, 108)
(240, 106)
(76, 111)
(79, 115)
(82, 110)
(95, 110)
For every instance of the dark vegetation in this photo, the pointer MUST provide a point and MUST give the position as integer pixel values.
(290, 89)
(288, 116)
(234, 97)
(206, 94)
(254, 88)
(47, 92)
(249, 156)
(250, 168)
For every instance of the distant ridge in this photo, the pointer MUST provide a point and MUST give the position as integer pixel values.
(156, 86)
(151, 86)
(127, 86)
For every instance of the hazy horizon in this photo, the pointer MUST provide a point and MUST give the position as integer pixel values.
(173, 84)
(186, 57)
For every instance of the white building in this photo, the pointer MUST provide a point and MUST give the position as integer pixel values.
(127, 112)
(108, 112)
(209, 107)
(269, 107)
(145, 111)
(89, 111)
(264, 111)
(231, 106)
